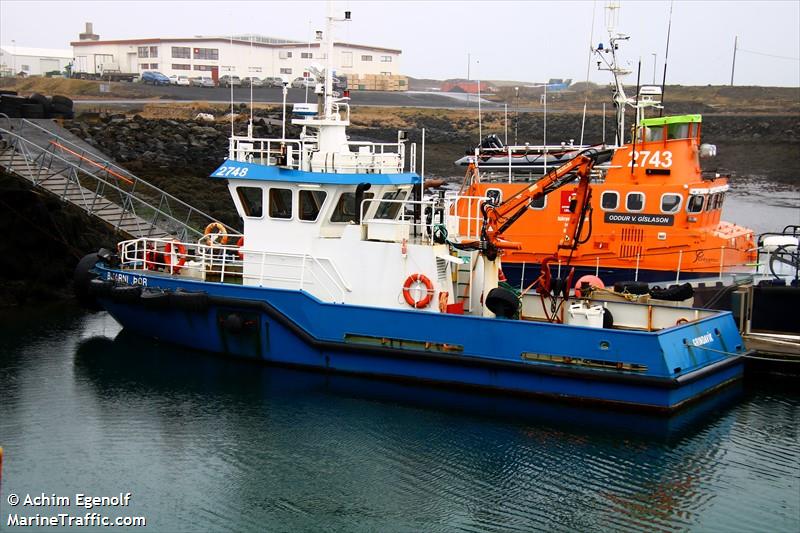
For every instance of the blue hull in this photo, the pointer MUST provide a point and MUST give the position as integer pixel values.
(294, 328)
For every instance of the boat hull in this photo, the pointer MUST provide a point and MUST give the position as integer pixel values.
(293, 328)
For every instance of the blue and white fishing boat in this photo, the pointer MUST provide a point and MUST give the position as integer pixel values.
(342, 267)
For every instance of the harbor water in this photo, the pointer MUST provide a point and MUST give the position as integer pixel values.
(202, 443)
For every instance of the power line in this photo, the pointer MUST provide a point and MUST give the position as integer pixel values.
(769, 55)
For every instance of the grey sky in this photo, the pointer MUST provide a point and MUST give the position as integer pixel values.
(528, 41)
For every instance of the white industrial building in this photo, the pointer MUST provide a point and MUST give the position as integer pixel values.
(245, 55)
(32, 61)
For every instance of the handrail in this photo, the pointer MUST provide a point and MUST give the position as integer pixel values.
(94, 158)
(229, 260)
(27, 148)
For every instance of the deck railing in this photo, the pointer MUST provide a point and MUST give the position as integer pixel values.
(211, 261)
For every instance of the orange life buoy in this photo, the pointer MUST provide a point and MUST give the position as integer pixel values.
(211, 236)
(593, 281)
(425, 300)
(239, 244)
(443, 297)
(175, 257)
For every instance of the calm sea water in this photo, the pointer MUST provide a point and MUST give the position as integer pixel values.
(210, 444)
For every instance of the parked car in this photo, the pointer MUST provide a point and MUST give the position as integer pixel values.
(202, 81)
(154, 78)
(230, 81)
(301, 82)
(182, 80)
(173, 80)
(272, 81)
(254, 80)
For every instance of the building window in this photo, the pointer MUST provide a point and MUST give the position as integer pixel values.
(286, 71)
(386, 59)
(280, 203)
(143, 51)
(311, 204)
(181, 67)
(25, 67)
(634, 201)
(306, 55)
(154, 66)
(206, 68)
(670, 202)
(538, 203)
(347, 59)
(284, 54)
(252, 199)
(366, 58)
(181, 52)
(695, 203)
(144, 66)
(206, 53)
(609, 200)
(153, 51)
(386, 73)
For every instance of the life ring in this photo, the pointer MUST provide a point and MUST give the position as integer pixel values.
(444, 296)
(239, 244)
(174, 256)
(211, 236)
(425, 300)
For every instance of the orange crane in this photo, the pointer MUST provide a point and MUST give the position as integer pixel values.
(498, 218)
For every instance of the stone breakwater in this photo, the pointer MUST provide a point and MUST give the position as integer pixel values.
(764, 145)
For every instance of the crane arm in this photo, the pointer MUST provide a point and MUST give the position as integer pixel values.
(498, 218)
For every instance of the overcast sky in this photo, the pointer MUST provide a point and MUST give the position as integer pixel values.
(519, 40)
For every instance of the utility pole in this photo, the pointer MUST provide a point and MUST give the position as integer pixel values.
(733, 64)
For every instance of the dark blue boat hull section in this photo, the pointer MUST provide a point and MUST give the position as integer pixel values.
(293, 328)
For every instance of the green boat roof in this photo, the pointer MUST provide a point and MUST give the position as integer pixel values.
(677, 119)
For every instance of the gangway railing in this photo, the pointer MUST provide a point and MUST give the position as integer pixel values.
(96, 184)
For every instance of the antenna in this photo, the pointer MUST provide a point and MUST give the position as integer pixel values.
(588, 66)
(636, 126)
(666, 56)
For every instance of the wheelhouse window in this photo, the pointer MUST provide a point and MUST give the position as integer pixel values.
(252, 199)
(345, 210)
(495, 196)
(678, 131)
(609, 200)
(390, 206)
(280, 203)
(538, 203)
(695, 203)
(310, 204)
(670, 203)
(634, 201)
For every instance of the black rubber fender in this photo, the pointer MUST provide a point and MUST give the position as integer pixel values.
(126, 294)
(100, 288)
(502, 302)
(608, 318)
(155, 298)
(189, 301)
(674, 293)
(632, 287)
(80, 281)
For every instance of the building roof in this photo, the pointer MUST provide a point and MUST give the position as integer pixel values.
(297, 44)
(36, 52)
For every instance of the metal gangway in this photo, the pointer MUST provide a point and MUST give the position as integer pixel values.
(54, 160)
